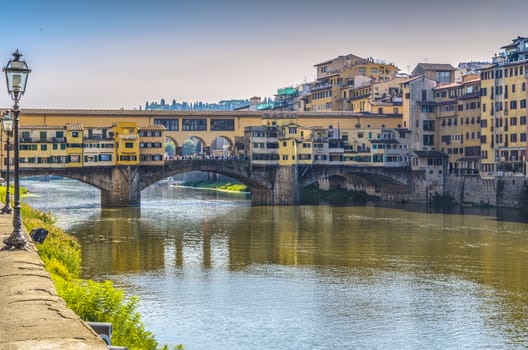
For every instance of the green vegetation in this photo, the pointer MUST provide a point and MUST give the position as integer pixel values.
(91, 300)
(218, 185)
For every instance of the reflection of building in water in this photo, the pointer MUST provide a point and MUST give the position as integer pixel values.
(122, 244)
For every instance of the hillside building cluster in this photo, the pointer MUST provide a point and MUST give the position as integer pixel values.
(474, 116)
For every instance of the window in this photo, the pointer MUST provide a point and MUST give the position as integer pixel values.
(513, 104)
(129, 145)
(523, 103)
(427, 109)
(75, 134)
(428, 125)
(443, 76)
(169, 124)
(428, 140)
(43, 147)
(222, 124)
(194, 124)
(292, 130)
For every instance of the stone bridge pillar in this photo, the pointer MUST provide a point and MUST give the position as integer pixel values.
(285, 189)
(125, 189)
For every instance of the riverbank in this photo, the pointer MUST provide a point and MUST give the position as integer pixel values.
(32, 315)
(91, 301)
(225, 186)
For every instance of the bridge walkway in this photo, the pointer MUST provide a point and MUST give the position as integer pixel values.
(32, 316)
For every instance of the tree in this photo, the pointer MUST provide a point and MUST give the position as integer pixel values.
(170, 147)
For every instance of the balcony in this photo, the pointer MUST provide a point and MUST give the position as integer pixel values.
(42, 140)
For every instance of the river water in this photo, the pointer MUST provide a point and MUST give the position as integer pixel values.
(212, 272)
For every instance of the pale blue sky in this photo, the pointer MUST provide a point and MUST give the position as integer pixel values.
(121, 53)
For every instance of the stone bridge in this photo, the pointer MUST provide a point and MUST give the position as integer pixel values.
(389, 183)
(121, 186)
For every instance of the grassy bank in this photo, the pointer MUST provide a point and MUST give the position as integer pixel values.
(91, 300)
(218, 185)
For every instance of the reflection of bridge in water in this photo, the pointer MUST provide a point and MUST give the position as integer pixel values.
(121, 186)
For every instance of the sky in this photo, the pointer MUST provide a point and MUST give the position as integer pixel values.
(112, 54)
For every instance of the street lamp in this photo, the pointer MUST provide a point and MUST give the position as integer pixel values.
(17, 73)
(7, 125)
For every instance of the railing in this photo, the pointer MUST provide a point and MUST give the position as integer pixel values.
(42, 139)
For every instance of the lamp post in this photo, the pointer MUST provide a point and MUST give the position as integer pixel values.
(17, 73)
(7, 125)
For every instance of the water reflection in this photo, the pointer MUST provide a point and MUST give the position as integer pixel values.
(223, 274)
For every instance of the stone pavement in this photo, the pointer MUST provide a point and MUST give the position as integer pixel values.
(32, 316)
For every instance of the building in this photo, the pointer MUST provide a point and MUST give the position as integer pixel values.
(41, 145)
(440, 72)
(73, 145)
(458, 124)
(336, 77)
(503, 101)
(151, 145)
(98, 146)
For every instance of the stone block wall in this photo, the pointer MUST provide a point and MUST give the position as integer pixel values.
(505, 191)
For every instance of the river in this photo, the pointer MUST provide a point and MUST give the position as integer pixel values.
(212, 272)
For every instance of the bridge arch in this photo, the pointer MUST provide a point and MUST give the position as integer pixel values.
(192, 146)
(221, 147)
(375, 181)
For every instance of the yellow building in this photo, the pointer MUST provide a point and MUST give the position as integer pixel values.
(322, 94)
(341, 73)
(295, 145)
(359, 98)
(503, 101)
(458, 126)
(126, 138)
(42, 145)
(74, 145)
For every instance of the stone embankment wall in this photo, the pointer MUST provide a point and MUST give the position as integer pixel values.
(32, 315)
(505, 191)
